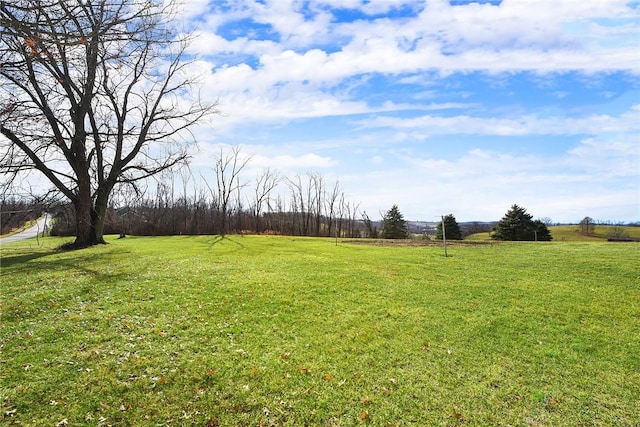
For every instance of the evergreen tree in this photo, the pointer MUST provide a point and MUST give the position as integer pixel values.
(517, 224)
(393, 225)
(451, 228)
(542, 233)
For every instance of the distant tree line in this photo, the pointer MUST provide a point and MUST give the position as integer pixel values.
(305, 205)
(300, 206)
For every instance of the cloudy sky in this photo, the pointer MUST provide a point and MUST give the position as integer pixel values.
(438, 106)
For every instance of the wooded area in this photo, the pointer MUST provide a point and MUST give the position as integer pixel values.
(301, 206)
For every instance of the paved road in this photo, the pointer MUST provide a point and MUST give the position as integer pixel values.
(26, 233)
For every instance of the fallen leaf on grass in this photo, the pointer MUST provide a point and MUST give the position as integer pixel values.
(93, 354)
(366, 400)
(328, 377)
(457, 415)
(552, 402)
(285, 356)
(364, 416)
(210, 372)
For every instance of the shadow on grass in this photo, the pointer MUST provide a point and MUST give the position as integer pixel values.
(11, 261)
(38, 261)
(225, 238)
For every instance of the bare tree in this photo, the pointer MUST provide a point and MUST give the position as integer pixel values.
(351, 210)
(227, 170)
(298, 208)
(372, 230)
(546, 221)
(316, 191)
(266, 182)
(331, 206)
(587, 226)
(91, 97)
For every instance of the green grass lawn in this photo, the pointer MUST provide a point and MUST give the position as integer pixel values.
(298, 331)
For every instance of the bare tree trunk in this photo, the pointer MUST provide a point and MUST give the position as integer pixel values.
(331, 206)
(317, 182)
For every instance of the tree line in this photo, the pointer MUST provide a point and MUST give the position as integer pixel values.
(515, 225)
(226, 203)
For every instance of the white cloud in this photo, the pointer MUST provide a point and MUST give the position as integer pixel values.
(517, 126)
(619, 157)
(309, 161)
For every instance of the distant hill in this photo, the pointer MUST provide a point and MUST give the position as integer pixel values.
(562, 233)
(601, 232)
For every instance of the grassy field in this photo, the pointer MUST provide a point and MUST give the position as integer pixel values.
(571, 233)
(296, 331)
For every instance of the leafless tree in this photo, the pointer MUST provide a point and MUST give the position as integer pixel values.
(587, 226)
(306, 202)
(266, 182)
(316, 192)
(331, 206)
(91, 96)
(351, 210)
(546, 221)
(372, 230)
(298, 207)
(228, 166)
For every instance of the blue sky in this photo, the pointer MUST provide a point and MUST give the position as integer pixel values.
(437, 106)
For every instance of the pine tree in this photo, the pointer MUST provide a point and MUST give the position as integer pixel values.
(542, 233)
(518, 225)
(393, 225)
(451, 228)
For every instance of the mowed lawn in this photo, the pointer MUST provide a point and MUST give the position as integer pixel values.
(265, 330)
